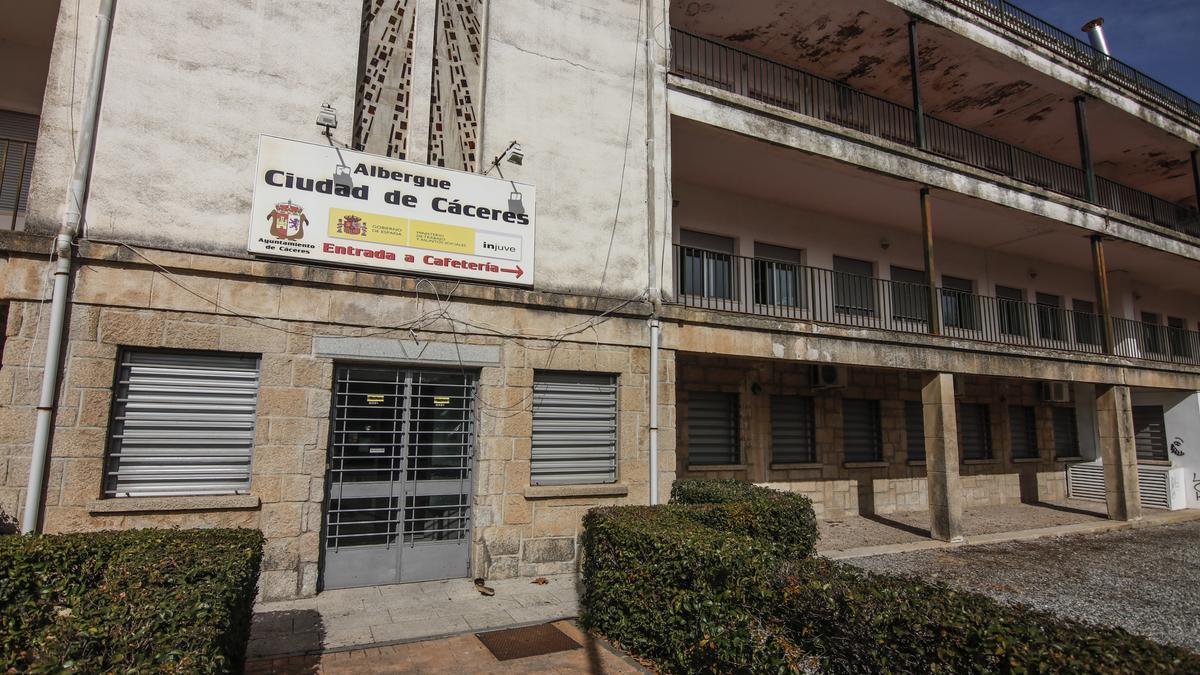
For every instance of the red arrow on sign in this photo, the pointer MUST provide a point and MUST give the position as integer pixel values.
(517, 271)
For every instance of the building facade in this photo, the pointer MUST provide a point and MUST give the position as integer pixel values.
(895, 254)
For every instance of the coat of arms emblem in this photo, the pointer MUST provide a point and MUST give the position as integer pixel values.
(287, 221)
(352, 224)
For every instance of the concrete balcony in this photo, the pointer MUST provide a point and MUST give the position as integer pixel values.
(714, 280)
(739, 72)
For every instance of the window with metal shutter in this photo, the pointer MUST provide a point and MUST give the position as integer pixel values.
(574, 429)
(712, 426)
(1150, 432)
(18, 143)
(793, 431)
(914, 430)
(182, 424)
(1022, 431)
(974, 431)
(861, 441)
(1066, 433)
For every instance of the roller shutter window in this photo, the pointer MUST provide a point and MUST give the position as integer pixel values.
(574, 429)
(910, 294)
(1150, 432)
(182, 424)
(793, 430)
(861, 438)
(914, 430)
(1022, 431)
(974, 431)
(18, 144)
(712, 427)
(1066, 433)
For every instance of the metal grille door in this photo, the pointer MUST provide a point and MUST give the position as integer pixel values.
(399, 476)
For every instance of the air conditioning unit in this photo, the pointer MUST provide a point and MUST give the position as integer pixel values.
(827, 377)
(1056, 392)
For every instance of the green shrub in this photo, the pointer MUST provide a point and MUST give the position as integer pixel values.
(681, 585)
(666, 587)
(784, 518)
(137, 600)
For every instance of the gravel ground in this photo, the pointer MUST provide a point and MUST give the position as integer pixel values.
(1146, 580)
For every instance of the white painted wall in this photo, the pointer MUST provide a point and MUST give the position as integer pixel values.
(1181, 415)
(822, 236)
(192, 83)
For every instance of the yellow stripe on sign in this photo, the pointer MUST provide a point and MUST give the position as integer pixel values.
(374, 228)
(441, 400)
(441, 237)
(374, 398)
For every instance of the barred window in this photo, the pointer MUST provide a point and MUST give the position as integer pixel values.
(1022, 431)
(861, 438)
(574, 429)
(914, 430)
(974, 431)
(793, 430)
(1066, 433)
(712, 426)
(1150, 432)
(182, 424)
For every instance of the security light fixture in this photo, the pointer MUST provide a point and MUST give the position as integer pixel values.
(327, 118)
(515, 154)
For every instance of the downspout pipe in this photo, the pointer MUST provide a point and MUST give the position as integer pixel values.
(653, 292)
(63, 245)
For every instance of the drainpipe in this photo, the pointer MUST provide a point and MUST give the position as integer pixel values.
(63, 243)
(652, 291)
(655, 329)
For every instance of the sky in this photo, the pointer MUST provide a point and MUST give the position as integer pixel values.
(1161, 38)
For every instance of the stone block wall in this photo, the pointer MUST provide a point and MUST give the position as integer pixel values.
(525, 530)
(221, 304)
(892, 485)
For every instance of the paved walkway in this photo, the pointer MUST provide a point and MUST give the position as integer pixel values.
(405, 612)
(867, 536)
(913, 526)
(453, 655)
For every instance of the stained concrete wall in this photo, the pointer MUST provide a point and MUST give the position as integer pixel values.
(191, 84)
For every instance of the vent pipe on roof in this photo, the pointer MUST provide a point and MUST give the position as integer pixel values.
(1095, 31)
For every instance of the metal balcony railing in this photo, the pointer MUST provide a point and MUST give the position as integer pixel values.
(732, 283)
(16, 161)
(739, 72)
(1019, 22)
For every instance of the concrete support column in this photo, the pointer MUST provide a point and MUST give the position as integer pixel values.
(941, 457)
(1114, 422)
(931, 276)
(1103, 310)
(421, 97)
(1196, 175)
(914, 66)
(1085, 149)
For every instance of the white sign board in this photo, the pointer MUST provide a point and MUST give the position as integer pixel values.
(317, 202)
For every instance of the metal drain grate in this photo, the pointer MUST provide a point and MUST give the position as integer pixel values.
(518, 643)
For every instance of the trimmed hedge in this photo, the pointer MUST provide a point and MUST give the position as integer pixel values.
(666, 587)
(702, 599)
(783, 518)
(136, 600)
(856, 621)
